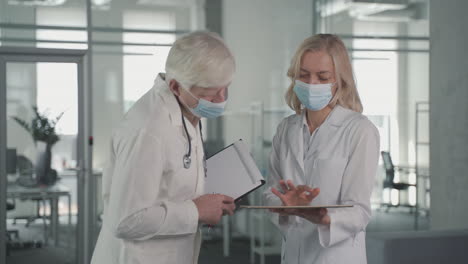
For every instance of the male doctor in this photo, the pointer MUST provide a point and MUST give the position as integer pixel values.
(153, 186)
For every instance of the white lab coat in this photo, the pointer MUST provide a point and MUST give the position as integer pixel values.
(149, 215)
(344, 160)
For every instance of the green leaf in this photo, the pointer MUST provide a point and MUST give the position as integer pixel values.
(41, 128)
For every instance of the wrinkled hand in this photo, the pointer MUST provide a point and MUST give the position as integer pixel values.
(300, 195)
(211, 207)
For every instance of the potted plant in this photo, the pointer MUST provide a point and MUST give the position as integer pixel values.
(42, 129)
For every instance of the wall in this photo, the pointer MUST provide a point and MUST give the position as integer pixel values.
(263, 35)
(449, 114)
(417, 85)
(108, 102)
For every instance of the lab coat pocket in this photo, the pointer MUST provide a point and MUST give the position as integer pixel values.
(182, 183)
(329, 176)
(179, 182)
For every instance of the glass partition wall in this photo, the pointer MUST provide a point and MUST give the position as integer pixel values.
(126, 43)
(124, 46)
(388, 42)
(389, 46)
(43, 128)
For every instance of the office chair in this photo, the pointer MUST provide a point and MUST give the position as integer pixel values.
(389, 182)
(12, 232)
(12, 235)
(27, 210)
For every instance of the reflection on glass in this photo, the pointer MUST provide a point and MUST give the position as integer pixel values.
(142, 63)
(39, 185)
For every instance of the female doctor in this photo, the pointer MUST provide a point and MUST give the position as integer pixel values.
(325, 154)
(153, 194)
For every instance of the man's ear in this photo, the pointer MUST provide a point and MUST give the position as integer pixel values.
(175, 87)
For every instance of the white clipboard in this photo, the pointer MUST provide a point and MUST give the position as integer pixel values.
(232, 171)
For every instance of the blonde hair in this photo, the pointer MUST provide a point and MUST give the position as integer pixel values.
(201, 59)
(346, 94)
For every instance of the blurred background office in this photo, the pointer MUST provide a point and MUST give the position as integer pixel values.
(70, 69)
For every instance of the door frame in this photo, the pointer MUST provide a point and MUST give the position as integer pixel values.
(85, 187)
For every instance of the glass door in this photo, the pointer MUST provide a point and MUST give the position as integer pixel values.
(43, 161)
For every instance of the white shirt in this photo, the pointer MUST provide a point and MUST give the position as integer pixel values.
(340, 158)
(149, 215)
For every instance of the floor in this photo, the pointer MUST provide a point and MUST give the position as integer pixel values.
(211, 251)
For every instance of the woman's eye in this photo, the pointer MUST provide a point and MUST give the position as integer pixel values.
(324, 79)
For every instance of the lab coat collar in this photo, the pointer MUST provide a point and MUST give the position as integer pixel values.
(170, 102)
(337, 117)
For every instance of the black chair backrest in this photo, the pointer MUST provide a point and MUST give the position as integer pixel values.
(388, 165)
(11, 163)
(387, 160)
(10, 206)
(25, 166)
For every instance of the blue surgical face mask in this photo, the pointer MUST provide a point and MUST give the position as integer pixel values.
(206, 108)
(313, 96)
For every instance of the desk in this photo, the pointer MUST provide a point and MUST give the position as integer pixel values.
(52, 193)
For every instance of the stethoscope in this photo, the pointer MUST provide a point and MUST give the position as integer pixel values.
(187, 160)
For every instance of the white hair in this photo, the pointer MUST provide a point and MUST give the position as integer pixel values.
(200, 59)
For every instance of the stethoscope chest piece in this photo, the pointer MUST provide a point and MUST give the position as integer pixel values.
(187, 161)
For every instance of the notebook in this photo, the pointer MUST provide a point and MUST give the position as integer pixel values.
(232, 172)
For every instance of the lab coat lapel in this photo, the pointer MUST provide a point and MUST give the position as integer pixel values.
(295, 138)
(175, 116)
(329, 128)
